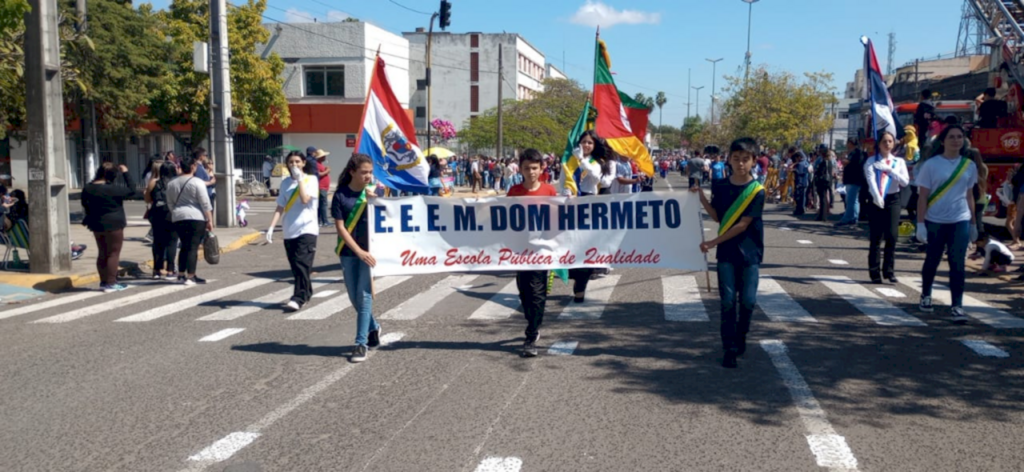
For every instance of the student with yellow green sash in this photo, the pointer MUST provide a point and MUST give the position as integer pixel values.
(736, 205)
(945, 215)
(349, 209)
(297, 205)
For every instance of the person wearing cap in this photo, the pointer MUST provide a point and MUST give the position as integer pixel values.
(311, 156)
(323, 173)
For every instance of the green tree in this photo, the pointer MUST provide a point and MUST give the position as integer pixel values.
(660, 100)
(692, 127)
(257, 88)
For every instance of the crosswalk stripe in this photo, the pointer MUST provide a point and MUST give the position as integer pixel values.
(682, 300)
(417, 306)
(974, 308)
(49, 304)
(113, 304)
(259, 304)
(563, 348)
(599, 291)
(777, 305)
(500, 464)
(501, 306)
(891, 293)
(222, 334)
(341, 302)
(325, 293)
(873, 306)
(172, 308)
(984, 348)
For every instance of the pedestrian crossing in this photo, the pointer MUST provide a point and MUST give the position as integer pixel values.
(485, 297)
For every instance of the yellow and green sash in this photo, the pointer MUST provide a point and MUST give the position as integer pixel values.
(295, 195)
(352, 220)
(732, 215)
(959, 171)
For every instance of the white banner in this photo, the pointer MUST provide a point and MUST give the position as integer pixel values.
(423, 235)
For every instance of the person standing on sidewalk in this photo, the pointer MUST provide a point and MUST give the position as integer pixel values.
(165, 240)
(323, 173)
(298, 203)
(192, 215)
(945, 215)
(854, 181)
(349, 211)
(886, 175)
(103, 204)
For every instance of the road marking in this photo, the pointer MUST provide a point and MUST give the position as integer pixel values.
(891, 293)
(669, 184)
(49, 304)
(563, 348)
(838, 262)
(682, 300)
(829, 449)
(877, 308)
(984, 348)
(707, 229)
(777, 305)
(500, 464)
(598, 293)
(339, 303)
(224, 333)
(501, 306)
(418, 305)
(974, 308)
(267, 301)
(112, 304)
(803, 241)
(785, 229)
(224, 448)
(325, 293)
(172, 308)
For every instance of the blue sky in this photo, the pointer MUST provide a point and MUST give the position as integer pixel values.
(654, 42)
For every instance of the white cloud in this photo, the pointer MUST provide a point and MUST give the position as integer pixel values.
(596, 13)
(294, 15)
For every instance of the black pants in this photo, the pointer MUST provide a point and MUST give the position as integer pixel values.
(883, 225)
(694, 181)
(999, 259)
(799, 200)
(322, 208)
(301, 251)
(191, 233)
(580, 279)
(165, 244)
(533, 293)
(823, 199)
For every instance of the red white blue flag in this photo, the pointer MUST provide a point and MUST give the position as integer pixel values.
(875, 91)
(388, 136)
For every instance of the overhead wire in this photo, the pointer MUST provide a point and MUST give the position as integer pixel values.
(411, 9)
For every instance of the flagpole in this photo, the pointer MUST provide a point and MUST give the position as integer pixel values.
(707, 271)
(359, 139)
(597, 55)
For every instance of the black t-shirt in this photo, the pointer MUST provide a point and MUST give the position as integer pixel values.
(853, 171)
(748, 247)
(989, 113)
(103, 204)
(343, 204)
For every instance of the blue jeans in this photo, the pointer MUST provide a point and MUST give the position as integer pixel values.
(736, 281)
(357, 282)
(852, 204)
(949, 238)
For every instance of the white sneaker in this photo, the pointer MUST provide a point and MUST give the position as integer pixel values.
(189, 281)
(958, 315)
(292, 306)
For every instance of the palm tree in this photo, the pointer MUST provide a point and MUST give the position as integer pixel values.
(640, 98)
(660, 100)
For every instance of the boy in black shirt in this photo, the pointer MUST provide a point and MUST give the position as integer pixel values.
(737, 205)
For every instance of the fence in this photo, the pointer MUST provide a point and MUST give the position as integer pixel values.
(250, 151)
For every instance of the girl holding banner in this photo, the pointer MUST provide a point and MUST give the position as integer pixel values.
(594, 166)
(886, 175)
(298, 203)
(349, 212)
(945, 215)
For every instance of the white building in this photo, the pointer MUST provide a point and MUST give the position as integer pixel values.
(835, 138)
(464, 69)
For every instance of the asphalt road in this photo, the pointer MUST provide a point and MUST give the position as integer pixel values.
(124, 382)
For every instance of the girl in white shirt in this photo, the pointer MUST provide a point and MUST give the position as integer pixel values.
(886, 175)
(298, 203)
(945, 215)
(594, 165)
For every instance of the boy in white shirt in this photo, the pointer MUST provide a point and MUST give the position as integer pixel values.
(997, 255)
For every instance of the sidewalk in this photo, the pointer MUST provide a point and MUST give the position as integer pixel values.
(135, 255)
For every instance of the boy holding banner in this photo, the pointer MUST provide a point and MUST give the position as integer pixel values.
(532, 284)
(737, 203)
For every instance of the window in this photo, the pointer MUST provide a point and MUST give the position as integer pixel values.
(844, 115)
(474, 98)
(474, 41)
(474, 67)
(421, 112)
(421, 84)
(325, 81)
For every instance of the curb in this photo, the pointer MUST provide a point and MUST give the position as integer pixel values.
(58, 283)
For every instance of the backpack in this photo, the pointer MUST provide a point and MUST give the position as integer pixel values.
(823, 173)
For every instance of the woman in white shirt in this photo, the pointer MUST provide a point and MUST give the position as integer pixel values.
(595, 166)
(298, 202)
(886, 175)
(945, 215)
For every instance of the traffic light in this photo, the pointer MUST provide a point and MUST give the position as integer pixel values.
(446, 14)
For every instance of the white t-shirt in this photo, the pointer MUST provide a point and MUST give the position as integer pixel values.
(299, 219)
(993, 247)
(952, 206)
(622, 169)
(474, 166)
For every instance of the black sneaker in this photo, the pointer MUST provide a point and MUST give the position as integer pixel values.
(196, 279)
(958, 316)
(926, 305)
(741, 346)
(530, 347)
(373, 339)
(893, 280)
(358, 354)
(729, 361)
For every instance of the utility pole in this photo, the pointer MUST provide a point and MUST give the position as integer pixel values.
(87, 113)
(49, 219)
(223, 124)
(689, 85)
(430, 39)
(501, 77)
(714, 73)
(750, 22)
(698, 99)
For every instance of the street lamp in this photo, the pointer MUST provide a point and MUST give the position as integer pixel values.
(714, 66)
(750, 16)
(698, 98)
